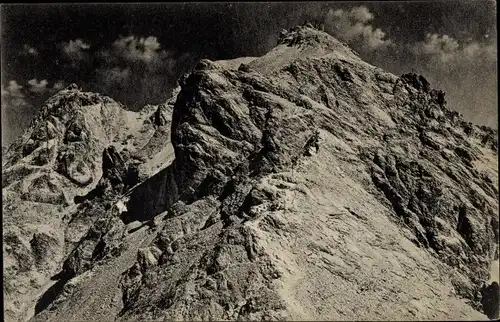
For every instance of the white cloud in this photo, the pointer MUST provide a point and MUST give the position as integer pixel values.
(361, 14)
(19, 96)
(38, 87)
(74, 50)
(133, 66)
(137, 49)
(137, 70)
(447, 50)
(12, 90)
(134, 50)
(354, 26)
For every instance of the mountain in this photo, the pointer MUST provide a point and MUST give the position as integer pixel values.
(57, 159)
(305, 184)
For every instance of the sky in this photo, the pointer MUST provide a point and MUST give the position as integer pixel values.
(135, 53)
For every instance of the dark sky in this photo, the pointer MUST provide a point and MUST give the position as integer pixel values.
(136, 52)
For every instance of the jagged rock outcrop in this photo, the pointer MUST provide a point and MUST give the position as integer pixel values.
(57, 160)
(162, 116)
(306, 184)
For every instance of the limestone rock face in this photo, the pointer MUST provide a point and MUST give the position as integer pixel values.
(68, 151)
(305, 184)
(162, 115)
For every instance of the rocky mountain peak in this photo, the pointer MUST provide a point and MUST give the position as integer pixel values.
(306, 35)
(68, 101)
(80, 146)
(72, 87)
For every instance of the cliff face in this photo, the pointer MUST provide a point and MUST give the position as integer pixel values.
(57, 161)
(306, 184)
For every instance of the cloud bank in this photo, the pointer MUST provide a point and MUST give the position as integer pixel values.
(136, 50)
(137, 71)
(139, 67)
(74, 50)
(132, 69)
(38, 87)
(465, 69)
(354, 27)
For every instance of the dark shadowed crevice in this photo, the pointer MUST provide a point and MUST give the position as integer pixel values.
(151, 197)
(51, 294)
(491, 300)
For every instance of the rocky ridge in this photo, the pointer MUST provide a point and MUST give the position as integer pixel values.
(306, 184)
(58, 160)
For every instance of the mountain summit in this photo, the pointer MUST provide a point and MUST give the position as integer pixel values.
(305, 184)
